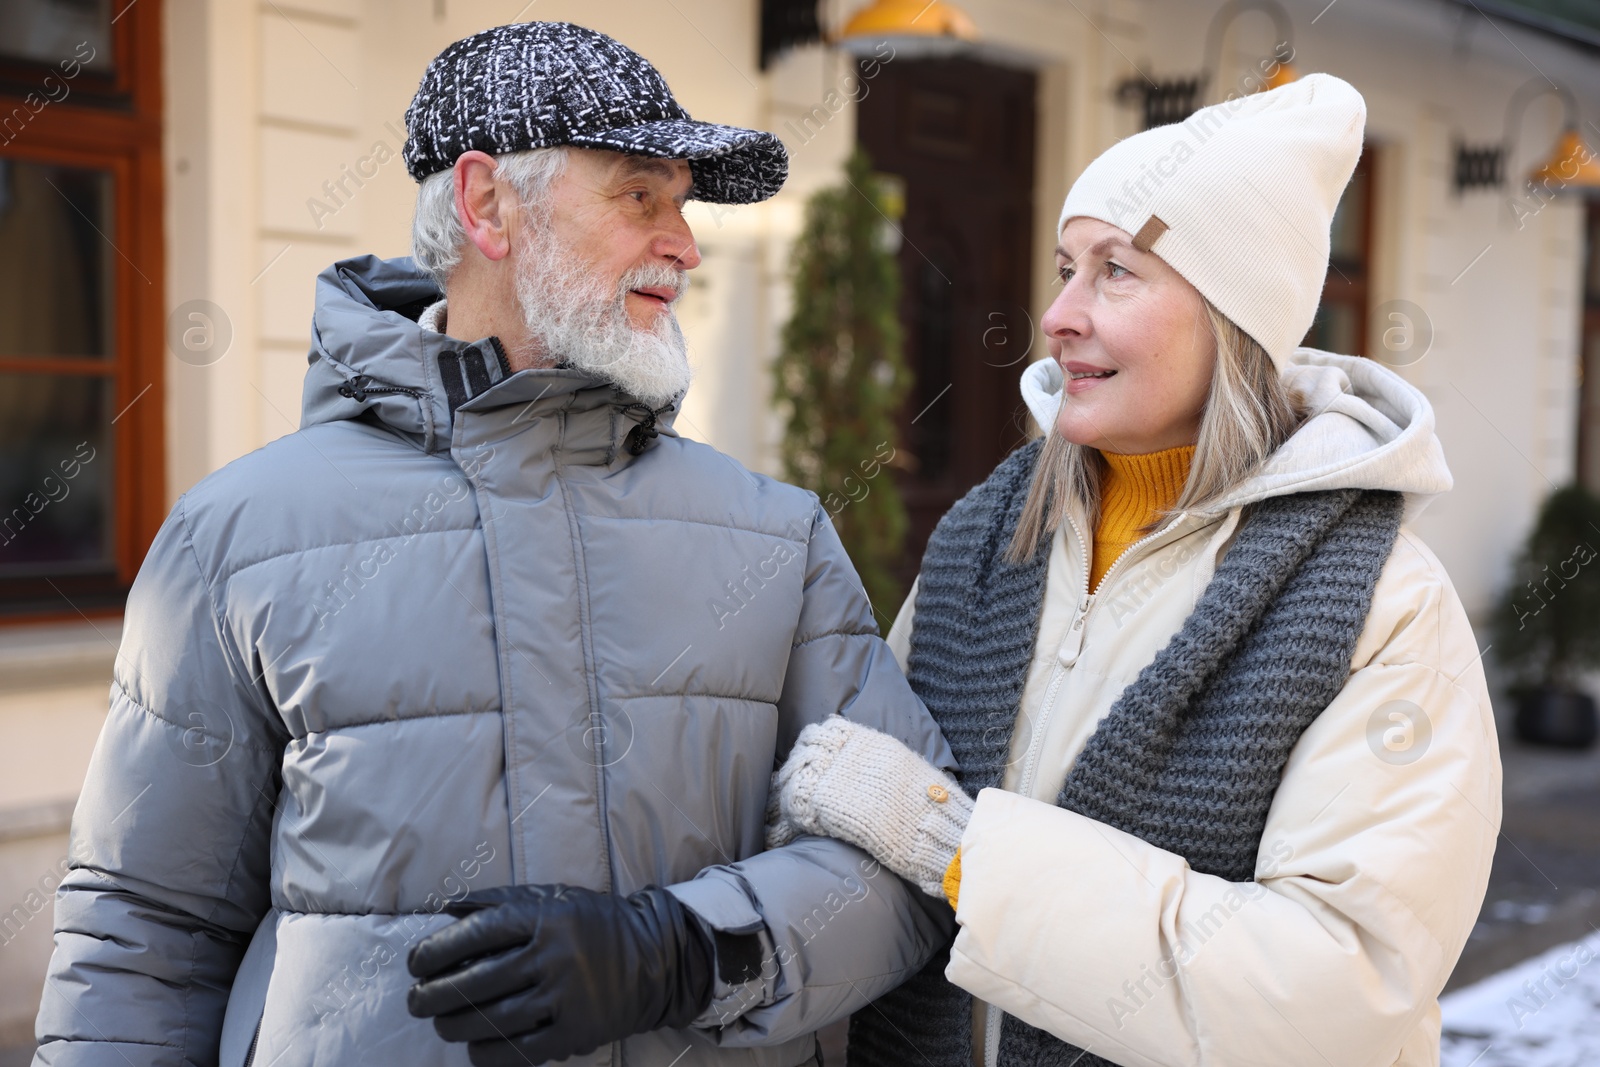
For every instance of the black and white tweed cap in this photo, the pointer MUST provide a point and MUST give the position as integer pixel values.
(542, 84)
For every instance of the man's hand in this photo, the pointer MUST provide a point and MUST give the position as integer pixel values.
(542, 972)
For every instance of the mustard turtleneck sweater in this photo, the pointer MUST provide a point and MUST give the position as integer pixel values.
(1135, 489)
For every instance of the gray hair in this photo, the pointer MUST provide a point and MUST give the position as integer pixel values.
(1249, 413)
(437, 235)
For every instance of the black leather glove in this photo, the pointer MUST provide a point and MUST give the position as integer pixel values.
(532, 973)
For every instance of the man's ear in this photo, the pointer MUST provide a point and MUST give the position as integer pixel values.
(481, 205)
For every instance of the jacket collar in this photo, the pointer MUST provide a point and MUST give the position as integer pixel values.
(588, 421)
(372, 358)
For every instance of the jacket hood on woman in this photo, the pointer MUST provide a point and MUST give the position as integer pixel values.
(1376, 852)
(1369, 428)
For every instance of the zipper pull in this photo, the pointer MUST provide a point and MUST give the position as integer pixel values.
(1072, 643)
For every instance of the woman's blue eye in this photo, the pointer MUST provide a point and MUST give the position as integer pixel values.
(1115, 267)
(1064, 274)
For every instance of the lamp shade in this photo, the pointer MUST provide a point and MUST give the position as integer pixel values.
(1281, 77)
(915, 28)
(1573, 165)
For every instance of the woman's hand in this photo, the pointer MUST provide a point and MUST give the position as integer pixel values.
(850, 782)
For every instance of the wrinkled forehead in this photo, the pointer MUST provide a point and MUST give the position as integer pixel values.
(631, 166)
(1083, 235)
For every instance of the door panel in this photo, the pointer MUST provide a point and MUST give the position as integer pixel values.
(960, 135)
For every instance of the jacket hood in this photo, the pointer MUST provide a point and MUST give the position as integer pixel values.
(369, 355)
(1369, 429)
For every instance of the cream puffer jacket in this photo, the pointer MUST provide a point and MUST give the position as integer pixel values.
(1376, 852)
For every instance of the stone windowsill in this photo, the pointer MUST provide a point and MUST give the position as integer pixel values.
(58, 654)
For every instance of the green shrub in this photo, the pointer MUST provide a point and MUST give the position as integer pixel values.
(1547, 624)
(842, 376)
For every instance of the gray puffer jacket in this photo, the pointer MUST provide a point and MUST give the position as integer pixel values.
(417, 649)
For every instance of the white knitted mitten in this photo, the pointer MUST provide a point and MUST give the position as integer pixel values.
(851, 782)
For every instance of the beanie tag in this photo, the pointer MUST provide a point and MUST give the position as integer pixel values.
(1149, 233)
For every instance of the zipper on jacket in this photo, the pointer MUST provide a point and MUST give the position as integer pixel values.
(250, 1054)
(1030, 758)
(364, 385)
(596, 716)
(1071, 644)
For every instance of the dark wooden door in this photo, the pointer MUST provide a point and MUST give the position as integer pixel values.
(960, 135)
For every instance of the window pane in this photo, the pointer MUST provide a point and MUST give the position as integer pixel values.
(55, 474)
(57, 33)
(55, 260)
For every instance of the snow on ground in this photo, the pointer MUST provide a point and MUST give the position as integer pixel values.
(1544, 1012)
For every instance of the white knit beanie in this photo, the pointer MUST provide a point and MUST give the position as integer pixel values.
(1238, 199)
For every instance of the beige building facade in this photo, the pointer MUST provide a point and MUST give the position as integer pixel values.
(281, 135)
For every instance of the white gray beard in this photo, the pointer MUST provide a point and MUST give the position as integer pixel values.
(572, 318)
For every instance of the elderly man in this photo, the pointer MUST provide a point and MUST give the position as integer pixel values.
(443, 728)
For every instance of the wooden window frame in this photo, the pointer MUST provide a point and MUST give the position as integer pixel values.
(111, 122)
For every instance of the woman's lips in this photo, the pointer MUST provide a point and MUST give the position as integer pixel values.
(1084, 384)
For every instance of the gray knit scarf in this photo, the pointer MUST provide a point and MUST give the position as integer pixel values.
(1190, 755)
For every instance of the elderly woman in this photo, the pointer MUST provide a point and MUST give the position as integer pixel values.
(1229, 783)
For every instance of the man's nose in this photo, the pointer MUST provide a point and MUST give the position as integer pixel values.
(678, 244)
(675, 240)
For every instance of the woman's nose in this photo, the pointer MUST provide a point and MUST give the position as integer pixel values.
(1067, 314)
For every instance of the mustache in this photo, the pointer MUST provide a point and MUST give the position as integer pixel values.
(655, 275)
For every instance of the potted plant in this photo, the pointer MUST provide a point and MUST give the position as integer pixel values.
(1547, 624)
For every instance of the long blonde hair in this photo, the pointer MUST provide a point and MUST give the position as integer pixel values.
(1249, 412)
